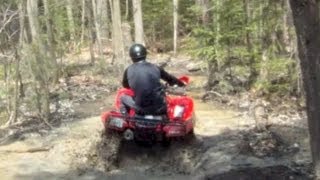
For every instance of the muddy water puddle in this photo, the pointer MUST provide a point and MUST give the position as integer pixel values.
(212, 119)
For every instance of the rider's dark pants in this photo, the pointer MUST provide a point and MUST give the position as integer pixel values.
(127, 103)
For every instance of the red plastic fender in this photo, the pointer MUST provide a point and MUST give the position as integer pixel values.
(121, 92)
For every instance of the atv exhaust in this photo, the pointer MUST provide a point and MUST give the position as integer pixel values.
(128, 135)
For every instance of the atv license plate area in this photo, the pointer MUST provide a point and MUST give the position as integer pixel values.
(116, 122)
(175, 130)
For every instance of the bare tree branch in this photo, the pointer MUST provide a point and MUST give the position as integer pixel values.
(6, 21)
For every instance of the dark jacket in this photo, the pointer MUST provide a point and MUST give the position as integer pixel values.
(144, 78)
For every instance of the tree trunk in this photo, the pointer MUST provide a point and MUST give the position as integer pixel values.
(253, 71)
(83, 19)
(97, 24)
(260, 28)
(306, 21)
(17, 64)
(40, 72)
(104, 14)
(100, 13)
(138, 23)
(7, 69)
(212, 63)
(285, 29)
(91, 35)
(117, 37)
(32, 8)
(175, 25)
(111, 9)
(205, 18)
(126, 34)
(246, 6)
(51, 45)
(127, 11)
(72, 30)
(217, 26)
(49, 30)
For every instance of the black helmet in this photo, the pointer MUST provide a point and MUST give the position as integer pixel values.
(137, 52)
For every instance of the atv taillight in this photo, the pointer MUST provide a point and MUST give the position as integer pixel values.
(178, 111)
(116, 122)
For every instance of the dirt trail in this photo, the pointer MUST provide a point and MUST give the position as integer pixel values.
(71, 152)
(213, 152)
(65, 143)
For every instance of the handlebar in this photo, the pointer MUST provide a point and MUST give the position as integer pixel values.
(176, 90)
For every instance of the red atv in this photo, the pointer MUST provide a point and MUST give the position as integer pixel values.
(179, 121)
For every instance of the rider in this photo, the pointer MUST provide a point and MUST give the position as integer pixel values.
(144, 79)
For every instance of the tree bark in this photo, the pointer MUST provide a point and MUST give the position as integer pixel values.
(117, 36)
(104, 14)
(83, 19)
(97, 24)
(246, 7)
(212, 63)
(175, 25)
(260, 28)
(32, 8)
(206, 20)
(72, 30)
(17, 64)
(306, 21)
(248, 17)
(285, 29)
(40, 72)
(127, 11)
(91, 35)
(138, 23)
(51, 45)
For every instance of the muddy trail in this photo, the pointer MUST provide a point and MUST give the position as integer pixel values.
(225, 147)
(73, 152)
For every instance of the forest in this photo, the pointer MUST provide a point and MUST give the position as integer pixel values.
(245, 45)
(58, 57)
